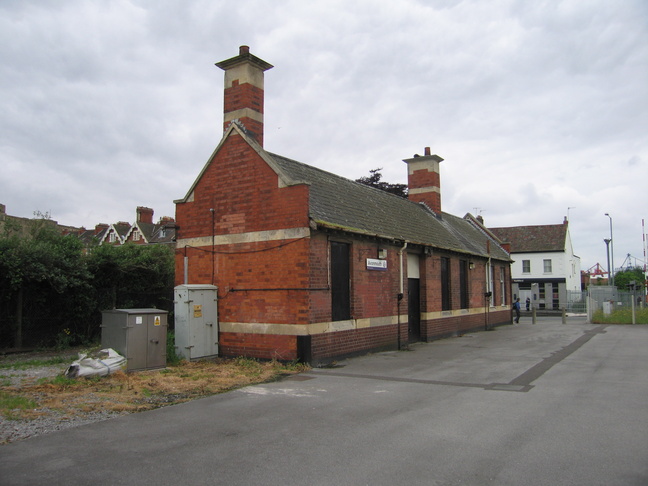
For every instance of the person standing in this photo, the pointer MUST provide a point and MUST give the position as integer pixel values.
(528, 303)
(516, 307)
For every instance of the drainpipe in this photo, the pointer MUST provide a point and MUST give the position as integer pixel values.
(400, 291)
(186, 267)
(213, 249)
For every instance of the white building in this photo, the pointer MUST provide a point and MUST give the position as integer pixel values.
(545, 267)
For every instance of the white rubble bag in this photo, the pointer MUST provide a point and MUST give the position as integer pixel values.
(108, 362)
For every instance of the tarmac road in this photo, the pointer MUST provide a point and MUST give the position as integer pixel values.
(545, 404)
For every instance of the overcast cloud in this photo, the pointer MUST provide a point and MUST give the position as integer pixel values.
(536, 107)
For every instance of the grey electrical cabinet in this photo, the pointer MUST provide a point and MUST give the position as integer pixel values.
(196, 321)
(140, 335)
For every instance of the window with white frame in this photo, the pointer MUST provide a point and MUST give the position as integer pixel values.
(111, 237)
(546, 265)
(526, 266)
(503, 285)
(137, 235)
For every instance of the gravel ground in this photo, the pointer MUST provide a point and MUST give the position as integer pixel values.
(13, 430)
(48, 420)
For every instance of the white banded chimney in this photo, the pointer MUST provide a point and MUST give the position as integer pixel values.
(424, 180)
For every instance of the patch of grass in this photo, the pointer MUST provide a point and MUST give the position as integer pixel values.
(60, 381)
(11, 405)
(623, 316)
(33, 363)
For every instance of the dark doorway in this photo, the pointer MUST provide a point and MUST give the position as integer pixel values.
(340, 282)
(414, 309)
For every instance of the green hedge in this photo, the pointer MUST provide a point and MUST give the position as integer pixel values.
(53, 289)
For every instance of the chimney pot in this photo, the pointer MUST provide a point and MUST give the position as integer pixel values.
(427, 151)
(244, 50)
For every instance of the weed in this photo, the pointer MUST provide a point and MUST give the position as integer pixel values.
(64, 340)
(172, 357)
(294, 366)
(246, 363)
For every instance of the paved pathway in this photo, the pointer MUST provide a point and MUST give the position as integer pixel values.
(545, 404)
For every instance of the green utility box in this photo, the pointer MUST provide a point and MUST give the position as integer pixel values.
(140, 335)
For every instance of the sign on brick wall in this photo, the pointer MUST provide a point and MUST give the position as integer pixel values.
(375, 264)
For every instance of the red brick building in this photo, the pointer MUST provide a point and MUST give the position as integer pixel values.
(313, 266)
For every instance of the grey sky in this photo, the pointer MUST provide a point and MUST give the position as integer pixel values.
(536, 107)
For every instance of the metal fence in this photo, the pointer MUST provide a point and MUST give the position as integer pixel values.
(609, 299)
(576, 302)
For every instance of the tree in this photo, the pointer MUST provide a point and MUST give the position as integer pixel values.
(374, 180)
(40, 275)
(623, 278)
(132, 276)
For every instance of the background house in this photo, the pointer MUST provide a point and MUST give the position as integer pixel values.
(544, 268)
(145, 232)
(314, 266)
(142, 232)
(23, 226)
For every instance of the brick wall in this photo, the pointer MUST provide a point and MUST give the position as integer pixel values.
(329, 346)
(243, 191)
(239, 96)
(374, 292)
(424, 178)
(456, 325)
(260, 346)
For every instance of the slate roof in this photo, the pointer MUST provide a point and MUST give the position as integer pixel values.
(89, 236)
(533, 239)
(146, 229)
(154, 233)
(340, 203)
(164, 233)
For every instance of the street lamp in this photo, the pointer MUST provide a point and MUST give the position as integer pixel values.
(607, 247)
(611, 251)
